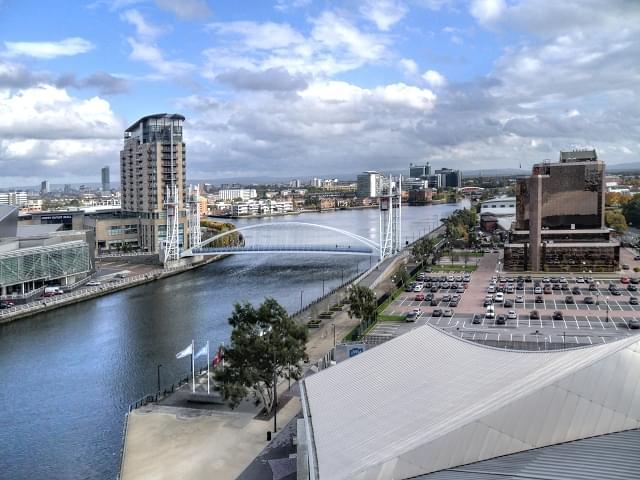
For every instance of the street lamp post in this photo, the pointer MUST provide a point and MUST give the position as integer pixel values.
(342, 275)
(301, 291)
(275, 395)
(334, 334)
(159, 365)
(607, 309)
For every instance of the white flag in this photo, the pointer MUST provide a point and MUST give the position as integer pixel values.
(185, 352)
(203, 351)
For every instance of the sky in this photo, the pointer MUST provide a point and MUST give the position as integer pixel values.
(299, 88)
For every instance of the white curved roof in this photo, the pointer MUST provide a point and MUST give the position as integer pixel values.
(427, 401)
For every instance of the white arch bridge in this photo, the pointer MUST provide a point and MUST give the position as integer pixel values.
(289, 237)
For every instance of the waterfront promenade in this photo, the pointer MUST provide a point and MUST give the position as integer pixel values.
(164, 441)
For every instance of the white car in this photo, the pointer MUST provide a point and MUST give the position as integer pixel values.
(418, 287)
(499, 298)
(512, 315)
(519, 299)
(491, 289)
(93, 283)
(537, 290)
(447, 312)
(580, 280)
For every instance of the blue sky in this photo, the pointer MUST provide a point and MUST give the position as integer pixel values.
(292, 88)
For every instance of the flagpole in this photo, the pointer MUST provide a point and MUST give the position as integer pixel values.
(208, 377)
(223, 355)
(193, 367)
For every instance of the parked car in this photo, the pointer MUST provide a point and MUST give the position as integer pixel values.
(588, 300)
(556, 286)
(453, 303)
(519, 299)
(434, 302)
(547, 290)
(576, 291)
(539, 299)
(412, 316)
(593, 287)
(534, 315)
(447, 312)
(625, 266)
(487, 302)
(580, 280)
(93, 283)
(636, 258)
(477, 319)
(616, 292)
(632, 288)
(460, 289)
(501, 319)
(419, 297)
(418, 287)
(537, 290)
(633, 301)
(446, 298)
(5, 305)
(436, 313)
(528, 279)
(557, 315)
(634, 324)
(625, 279)
(409, 287)
(499, 298)
(507, 303)
(564, 287)
(635, 280)
(490, 312)
(569, 299)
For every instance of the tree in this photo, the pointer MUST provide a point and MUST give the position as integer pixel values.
(264, 341)
(615, 220)
(423, 248)
(362, 303)
(402, 275)
(631, 210)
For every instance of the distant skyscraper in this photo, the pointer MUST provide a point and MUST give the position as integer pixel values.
(44, 187)
(369, 184)
(106, 183)
(419, 171)
(450, 178)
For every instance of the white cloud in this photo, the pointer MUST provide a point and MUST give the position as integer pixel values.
(186, 9)
(48, 50)
(384, 13)
(45, 131)
(263, 36)
(143, 28)
(152, 56)
(408, 66)
(336, 33)
(487, 12)
(434, 79)
(284, 5)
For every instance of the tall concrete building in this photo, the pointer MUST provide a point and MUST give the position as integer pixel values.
(44, 187)
(106, 182)
(152, 161)
(560, 218)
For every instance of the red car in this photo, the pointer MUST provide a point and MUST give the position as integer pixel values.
(419, 297)
(624, 280)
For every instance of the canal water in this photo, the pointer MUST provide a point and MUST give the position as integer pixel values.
(68, 376)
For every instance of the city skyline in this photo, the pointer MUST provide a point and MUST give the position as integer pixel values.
(308, 88)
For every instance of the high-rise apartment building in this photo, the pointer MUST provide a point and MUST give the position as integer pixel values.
(560, 218)
(106, 183)
(44, 187)
(152, 161)
(369, 185)
(18, 199)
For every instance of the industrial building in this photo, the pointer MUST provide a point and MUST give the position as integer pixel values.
(430, 405)
(35, 256)
(499, 212)
(560, 218)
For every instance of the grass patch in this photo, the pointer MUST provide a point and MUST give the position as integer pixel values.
(390, 318)
(453, 268)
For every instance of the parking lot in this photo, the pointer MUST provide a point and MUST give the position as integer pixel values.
(603, 317)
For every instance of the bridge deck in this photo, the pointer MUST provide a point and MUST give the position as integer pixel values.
(323, 249)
